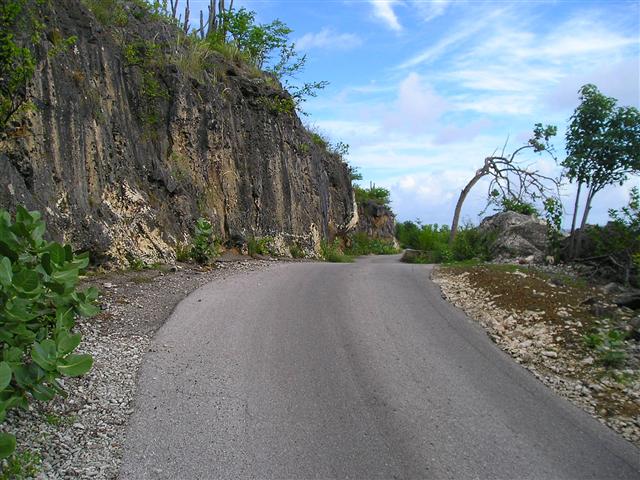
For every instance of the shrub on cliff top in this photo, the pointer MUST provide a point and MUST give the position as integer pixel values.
(39, 301)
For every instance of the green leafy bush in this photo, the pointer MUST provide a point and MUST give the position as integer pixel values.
(553, 213)
(518, 206)
(433, 240)
(608, 346)
(204, 247)
(619, 241)
(296, 251)
(260, 246)
(379, 195)
(39, 301)
(362, 244)
(109, 12)
(332, 252)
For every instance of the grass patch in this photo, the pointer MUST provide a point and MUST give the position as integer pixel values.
(260, 246)
(362, 244)
(332, 252)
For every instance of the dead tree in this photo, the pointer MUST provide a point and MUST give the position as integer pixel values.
(509, 178)
(187, 13)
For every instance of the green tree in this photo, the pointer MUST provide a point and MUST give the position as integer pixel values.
(16, 63)
(603, 148)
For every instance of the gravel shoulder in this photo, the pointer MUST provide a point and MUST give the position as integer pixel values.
(543, 320)
(82, 436)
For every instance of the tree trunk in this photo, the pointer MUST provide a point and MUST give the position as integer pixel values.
(187, 13)
(211, 29)
(572, 239)
(583, 223)
(463, 195)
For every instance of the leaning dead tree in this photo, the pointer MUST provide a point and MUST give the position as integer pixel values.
(511, 179)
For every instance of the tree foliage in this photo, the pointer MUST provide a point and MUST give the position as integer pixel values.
(602, 145)
(618, 243)
(378, 195)
(16, 63)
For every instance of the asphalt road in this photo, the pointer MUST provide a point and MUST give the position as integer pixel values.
(360, 371)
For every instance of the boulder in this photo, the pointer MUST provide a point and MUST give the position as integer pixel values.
(629, 299)
(516, 236)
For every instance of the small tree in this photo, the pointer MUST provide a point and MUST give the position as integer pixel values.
(510, 180)
(603, 148)
(16, 63)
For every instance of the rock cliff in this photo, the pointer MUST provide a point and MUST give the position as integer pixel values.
(376, 221)
(135, 134)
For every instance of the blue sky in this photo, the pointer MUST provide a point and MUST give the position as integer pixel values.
(422, 91)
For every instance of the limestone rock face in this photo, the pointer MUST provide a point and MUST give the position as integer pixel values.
(124, 173)
(516, 236)
(377, 221)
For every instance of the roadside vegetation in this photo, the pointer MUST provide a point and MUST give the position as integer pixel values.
(432, 243)
(39, 303)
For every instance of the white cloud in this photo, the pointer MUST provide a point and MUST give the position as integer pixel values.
(510, 69)
(459, 35)
(430, 9)
(342, 129)
(454, 133)
(417, 107)
(383, 10)
(328, 39)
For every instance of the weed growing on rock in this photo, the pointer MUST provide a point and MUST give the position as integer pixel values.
(260, 246)
(204, 247)
(278, 105)
(24, 464)
(108, 12)
(296, 251)
(608, 346)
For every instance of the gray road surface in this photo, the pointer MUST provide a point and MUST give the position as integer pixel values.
(359, 371)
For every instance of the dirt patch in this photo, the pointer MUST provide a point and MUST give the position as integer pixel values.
(567, 333)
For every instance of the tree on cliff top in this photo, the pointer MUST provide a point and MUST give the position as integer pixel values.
(603, 148)
(263, 45)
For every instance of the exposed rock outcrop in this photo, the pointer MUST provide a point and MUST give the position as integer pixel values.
(514, 235)
(122, 158)
(377, 221)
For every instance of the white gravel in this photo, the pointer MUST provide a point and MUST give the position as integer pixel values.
(534, 344)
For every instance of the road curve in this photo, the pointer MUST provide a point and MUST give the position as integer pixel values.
(359, 371)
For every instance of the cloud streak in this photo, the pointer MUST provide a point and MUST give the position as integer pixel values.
(383, 10)
(329, 40)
